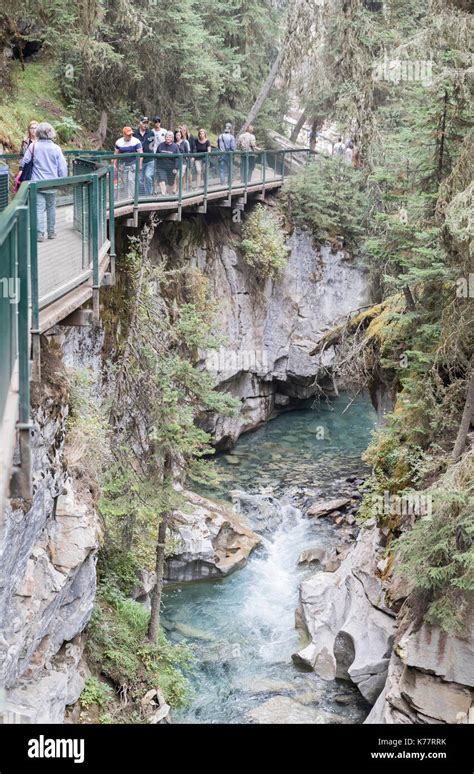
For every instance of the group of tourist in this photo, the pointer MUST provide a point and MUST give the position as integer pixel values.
(42, 159)
(151, 138)
(348, 151)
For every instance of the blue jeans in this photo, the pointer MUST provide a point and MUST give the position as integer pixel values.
(224, 169)
(146, 181)
(46, 205)
(126, 188)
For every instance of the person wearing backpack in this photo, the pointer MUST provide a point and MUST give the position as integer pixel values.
(225, 143)
(247, 144)
(146, 136)
(47, 163)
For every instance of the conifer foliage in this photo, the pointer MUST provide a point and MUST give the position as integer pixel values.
(397, 77)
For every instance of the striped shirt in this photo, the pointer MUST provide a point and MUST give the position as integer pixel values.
(128, 146)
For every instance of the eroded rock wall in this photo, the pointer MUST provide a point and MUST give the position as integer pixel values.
(212, 541)
(270, 326)
(48, 552)
(351, 628)
(409, 672)
(430, 678)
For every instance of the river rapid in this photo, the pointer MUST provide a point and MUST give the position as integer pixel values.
(242, 629)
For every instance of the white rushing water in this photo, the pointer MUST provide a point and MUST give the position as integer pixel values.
(273, 578)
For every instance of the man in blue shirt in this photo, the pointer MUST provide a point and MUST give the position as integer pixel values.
(48, 164)
(225, 142)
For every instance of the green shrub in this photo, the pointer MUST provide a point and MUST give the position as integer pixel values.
(118, 649)
(119, 568)
(328, 198)
(95, 692)
(87, 426)
(437, 555)
(263, 242)
(66, 129)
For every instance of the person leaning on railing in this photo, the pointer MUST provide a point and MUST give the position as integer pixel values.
(48, 164)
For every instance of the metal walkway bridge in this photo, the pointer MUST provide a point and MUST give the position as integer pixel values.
(47, 282)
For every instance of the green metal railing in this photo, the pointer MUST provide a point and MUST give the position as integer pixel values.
(36, 274)
(14, 258)
(14, 328)
(142, 178)
(4, 186)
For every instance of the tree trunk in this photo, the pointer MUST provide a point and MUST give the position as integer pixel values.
(411, 306)
(102, 129)
(298, 127)
(466, 416)
(128, 530)
(264, 91)
(154, 623)
(315, 126)
(443, 136)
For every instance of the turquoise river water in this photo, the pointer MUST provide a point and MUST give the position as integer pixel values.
(242, 628)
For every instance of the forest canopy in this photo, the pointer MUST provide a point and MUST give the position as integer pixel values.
(190, 62)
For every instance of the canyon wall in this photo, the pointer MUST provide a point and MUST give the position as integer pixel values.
(270, 326)
(49, 546)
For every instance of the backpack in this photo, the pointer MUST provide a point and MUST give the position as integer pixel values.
(27, 169)
(222, 142)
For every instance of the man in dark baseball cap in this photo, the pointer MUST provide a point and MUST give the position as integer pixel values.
(160, 133)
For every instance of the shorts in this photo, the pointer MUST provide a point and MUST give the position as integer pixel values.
(166, 176)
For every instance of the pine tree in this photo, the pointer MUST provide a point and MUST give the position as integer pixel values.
(159, 396)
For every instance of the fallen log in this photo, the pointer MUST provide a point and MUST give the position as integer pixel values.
(359, 322)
